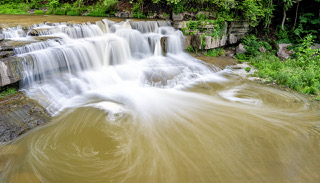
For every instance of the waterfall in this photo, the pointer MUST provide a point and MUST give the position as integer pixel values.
(86, 57)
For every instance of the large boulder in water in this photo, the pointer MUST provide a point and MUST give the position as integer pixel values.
(283, 52)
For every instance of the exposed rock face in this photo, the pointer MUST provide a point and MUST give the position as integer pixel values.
(232, 33)
(19, 114)
(187, 42)
(10, 70)
(283, 52)
(237, 30)
(196, 41)
(240, 49)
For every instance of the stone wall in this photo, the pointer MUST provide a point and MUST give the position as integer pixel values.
(232, 33)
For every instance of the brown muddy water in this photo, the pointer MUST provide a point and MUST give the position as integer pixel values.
(166, 119)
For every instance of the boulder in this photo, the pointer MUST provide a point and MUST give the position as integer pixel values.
(283, 53)
(240, 49)
(233, 39)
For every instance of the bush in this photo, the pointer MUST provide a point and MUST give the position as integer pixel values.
(38, 12)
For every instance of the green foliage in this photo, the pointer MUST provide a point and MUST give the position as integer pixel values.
(191, 49)
(73, 12)
(252, 45)
(301, 74)
(137, 12)
(179, 7)
(241, 57)
(38, 12)
(215, 52)
(247, 69)
(60, 12)
(54, 4)
(20, 8)
(4, 92)
(97, 13)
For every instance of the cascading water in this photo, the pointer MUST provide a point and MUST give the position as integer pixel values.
(126, 112)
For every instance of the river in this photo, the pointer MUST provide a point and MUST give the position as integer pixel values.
(125, 111)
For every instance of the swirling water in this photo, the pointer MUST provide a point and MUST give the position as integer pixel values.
(125, 112)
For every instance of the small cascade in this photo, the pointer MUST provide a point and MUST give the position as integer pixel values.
(13, 32)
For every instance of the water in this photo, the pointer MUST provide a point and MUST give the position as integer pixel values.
(126, 112)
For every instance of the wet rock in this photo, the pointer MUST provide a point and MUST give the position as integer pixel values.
(178, 16)
(283, 53)
(1, 37)
(4, 54)
(163, 42)
(187, 42)
(19, 114)
(240, 49)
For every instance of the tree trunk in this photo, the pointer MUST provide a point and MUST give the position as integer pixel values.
(295, 20)
(284, 17)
